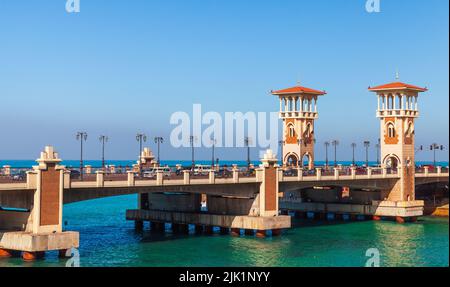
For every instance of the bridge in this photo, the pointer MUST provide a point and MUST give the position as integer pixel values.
(31, 214)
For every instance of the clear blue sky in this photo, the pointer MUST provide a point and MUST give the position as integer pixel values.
(122, 66)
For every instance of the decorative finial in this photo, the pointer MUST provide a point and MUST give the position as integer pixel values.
(397, 75)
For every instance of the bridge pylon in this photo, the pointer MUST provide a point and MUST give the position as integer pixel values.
(34, 225)
(397, 111)
(298, 110)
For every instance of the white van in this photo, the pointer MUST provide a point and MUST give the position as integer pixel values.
(202, 169)
(151, 173)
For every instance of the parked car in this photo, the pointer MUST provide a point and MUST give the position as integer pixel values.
(290, 172)
(21, 175)
(223, 172)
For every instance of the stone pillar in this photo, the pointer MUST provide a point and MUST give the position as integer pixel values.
(259, 174)
(159, 177)
(130, 179)
(32, 179)
(186, 177)
(100, 178)
(268, 194)
(319, 173)
(299, 173)
(212, 176)
(46, 214)
(67, 180)
(88, 169)
(235, 175)
(369, 172)
(336, 173)
(7, 170)
(439, 170)
(280, 174)
(353, 171)
(427, 170)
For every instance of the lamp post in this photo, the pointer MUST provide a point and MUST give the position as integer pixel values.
(353, 150)
(281, 144)
(335, 143)
(378, 146)
(192, 140)
(103, 139)
(159, 140)
(81, 136)
(433, 148)
(213, 142)
(141, 138)
(247, 142)
(327, 144)
(367, 145)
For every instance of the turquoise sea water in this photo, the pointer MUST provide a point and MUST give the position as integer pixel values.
(107, 239)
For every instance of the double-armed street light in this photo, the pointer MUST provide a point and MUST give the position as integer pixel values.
(367, 145)
(247, 142)
(159, 141)
(192, 140)
(434, 147)
(213, 142)
(353, 151)
(335, 143)
(141, 138)
(81, 136)
(327, 144)
(103, 140)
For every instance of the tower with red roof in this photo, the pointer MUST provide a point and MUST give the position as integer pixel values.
(298, 110)
(397, 111)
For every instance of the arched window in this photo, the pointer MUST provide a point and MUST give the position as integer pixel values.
(291, 131)
(391, 130)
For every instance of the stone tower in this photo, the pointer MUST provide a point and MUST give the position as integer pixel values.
(298, 110)
(397, 111)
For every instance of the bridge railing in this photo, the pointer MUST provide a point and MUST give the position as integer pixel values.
(14, 174)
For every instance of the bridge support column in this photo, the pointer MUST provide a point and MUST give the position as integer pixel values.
(186, 177)
(41, 228)
(318, 173)
(130, 178)
(235, 175)
(212, 177)
(100, 179)
(353, 171)
(159, 177)
(299, 173)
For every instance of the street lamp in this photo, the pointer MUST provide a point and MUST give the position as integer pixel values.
(433, 148)
(103, 139)
(81, 136)
(327, 144)
(353, 148)
(141, 138)
(378, 146)
(159, 140)
(192, 140)
(213, 141)
(335, 143)
(281, 143)
(367, 145)
(247, 142)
